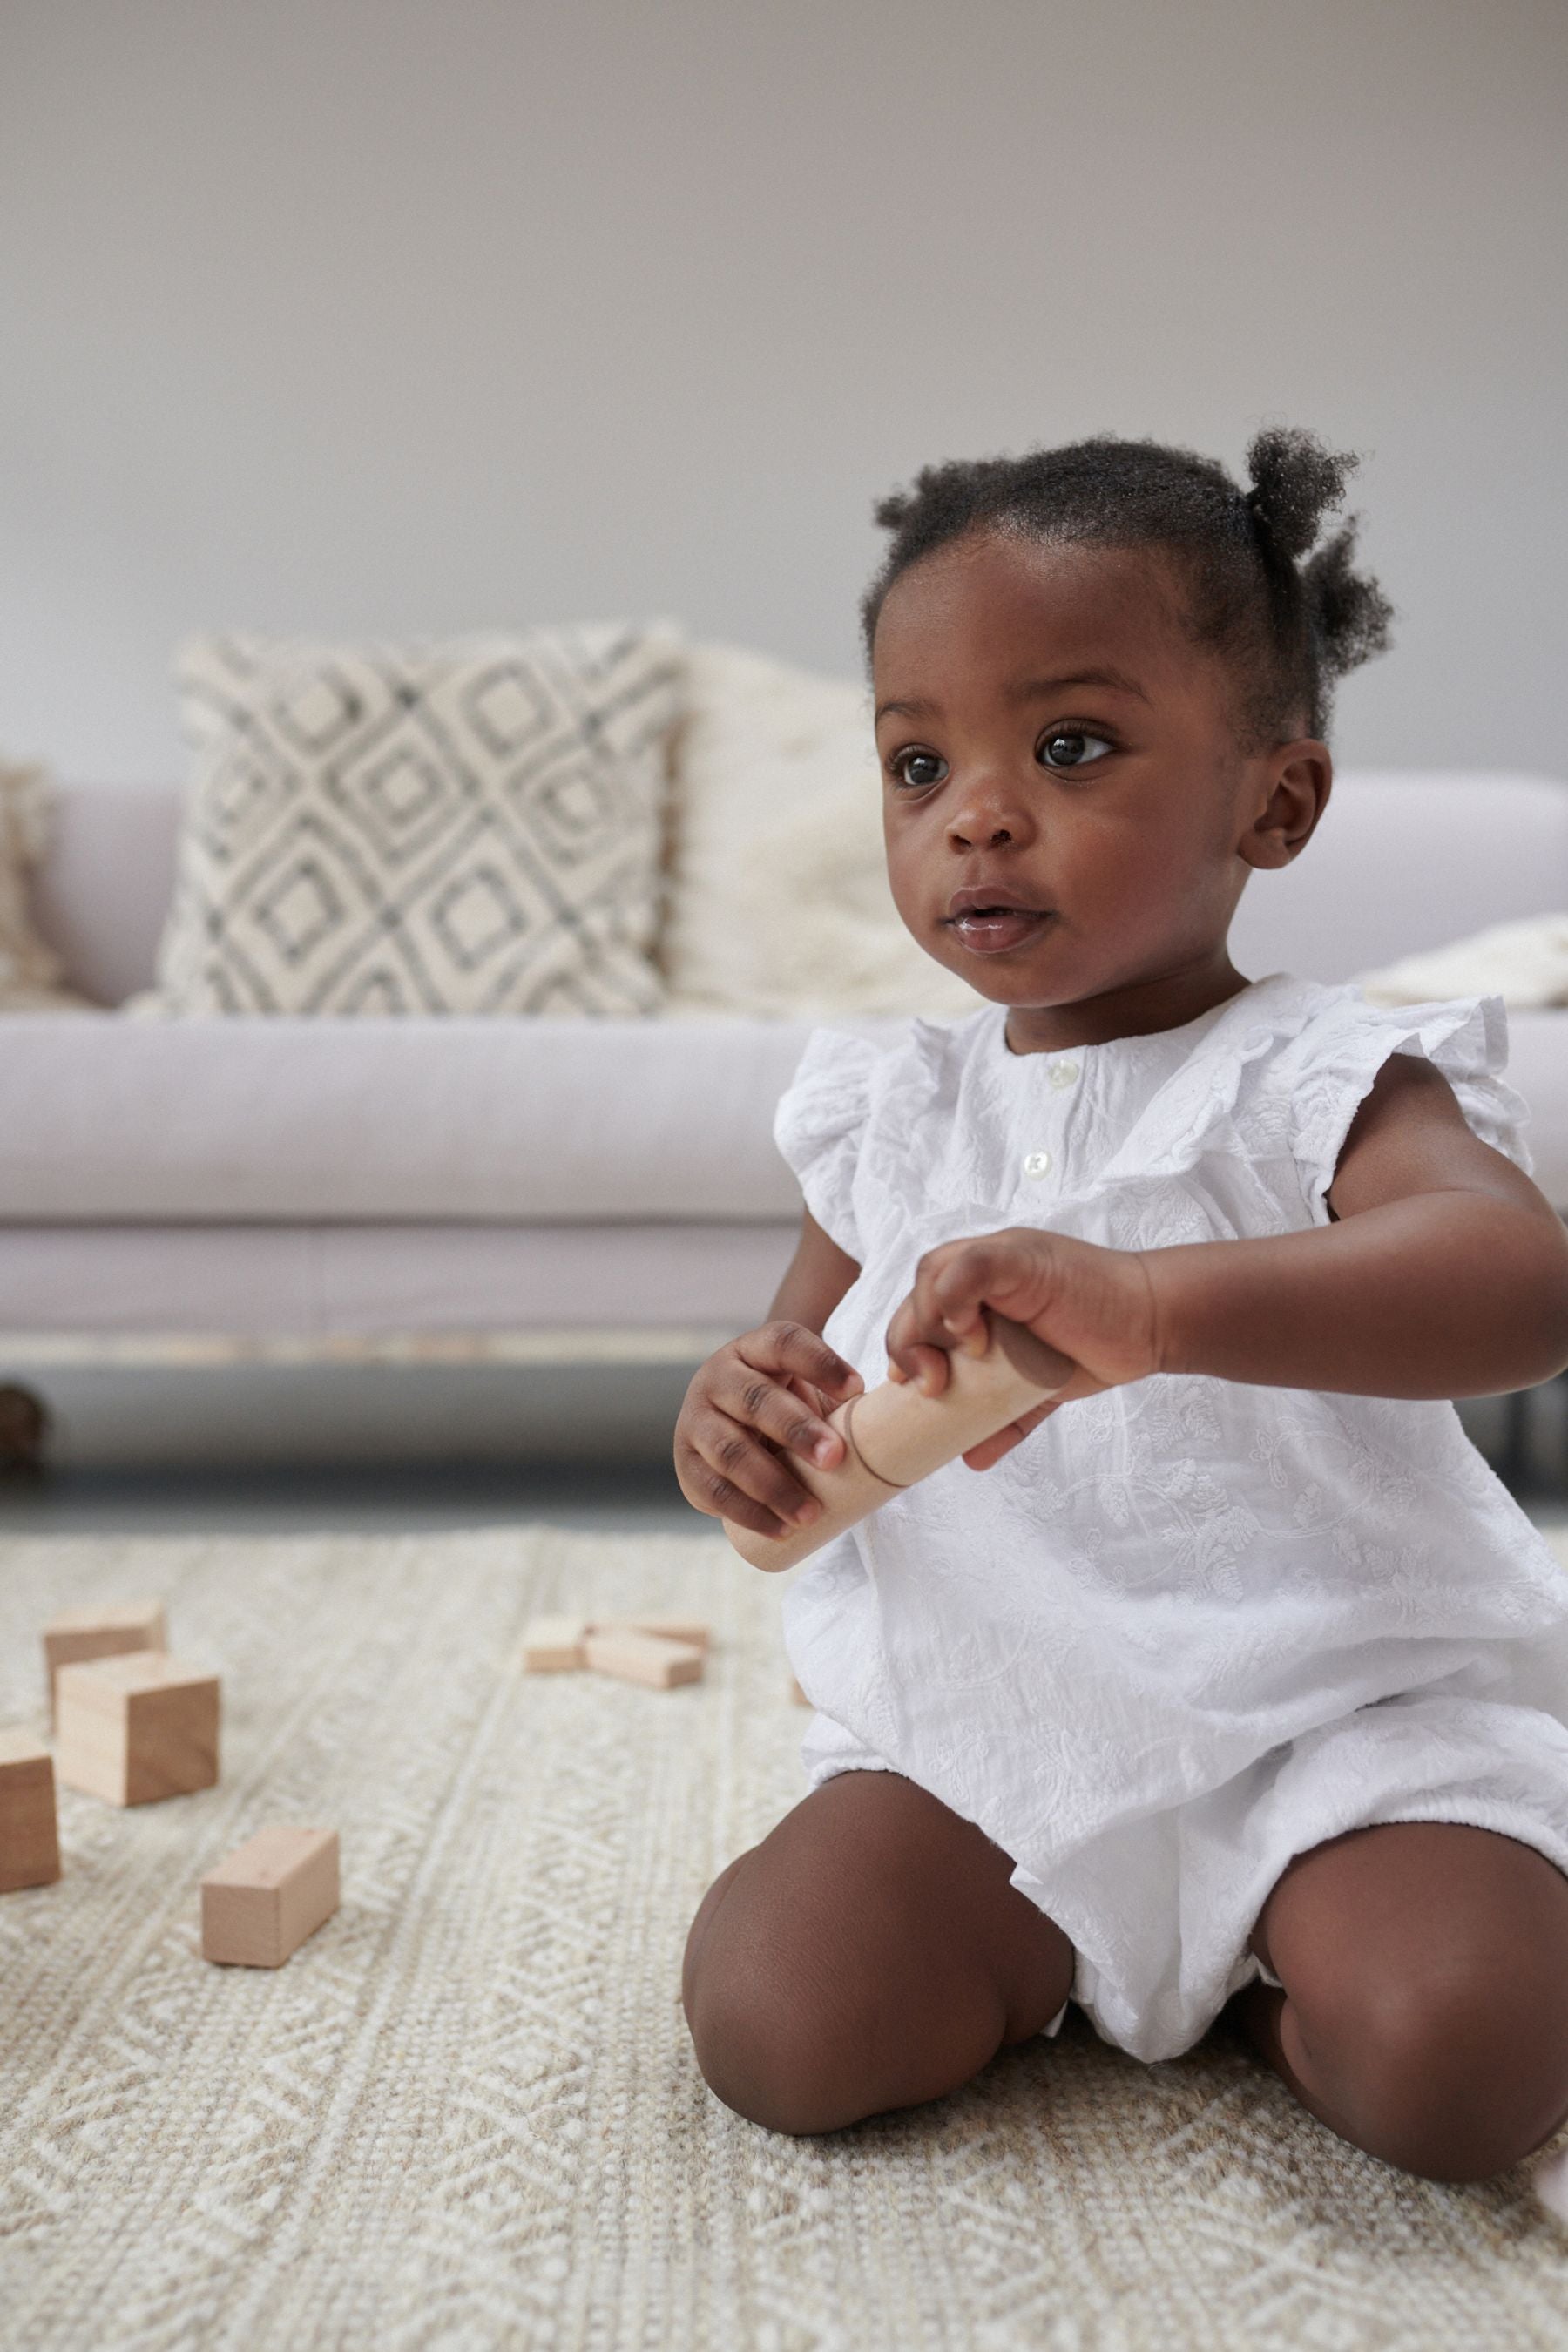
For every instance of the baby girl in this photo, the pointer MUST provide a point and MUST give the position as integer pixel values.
(1234, 1681)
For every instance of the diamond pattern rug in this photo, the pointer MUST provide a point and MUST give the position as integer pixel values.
(466, 2114)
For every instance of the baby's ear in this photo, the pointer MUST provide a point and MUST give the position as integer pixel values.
(1300, 777)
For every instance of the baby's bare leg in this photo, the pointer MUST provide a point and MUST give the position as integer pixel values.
(868, 1954)
(1425, 2014)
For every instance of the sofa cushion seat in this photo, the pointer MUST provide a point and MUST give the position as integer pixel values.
(278, 1120)
(255, 1284)
(224, 1119)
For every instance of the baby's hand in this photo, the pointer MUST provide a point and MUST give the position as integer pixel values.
(779, 1382)
(1095, 1304)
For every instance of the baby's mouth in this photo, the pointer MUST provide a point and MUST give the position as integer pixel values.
(991, 931)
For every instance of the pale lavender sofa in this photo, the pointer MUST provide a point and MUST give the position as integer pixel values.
(545, 1189)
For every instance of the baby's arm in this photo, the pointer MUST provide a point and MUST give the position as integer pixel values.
(816, 1279)
(1445, 1274)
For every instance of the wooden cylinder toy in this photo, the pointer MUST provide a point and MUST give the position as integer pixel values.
(895, 1435)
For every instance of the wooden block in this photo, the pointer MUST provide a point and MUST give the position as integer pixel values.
(553, 1645)
(634, 1657)
(29, 1833)
(101, 1631)
(895, 1435)
(272, 1892)
(137, 1728)
(689, 1630)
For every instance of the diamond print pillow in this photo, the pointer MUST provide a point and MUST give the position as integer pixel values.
(469, 827)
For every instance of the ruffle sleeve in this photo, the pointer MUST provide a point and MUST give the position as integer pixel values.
(1327, 1073)
(820, 1127)
(1285, 1069)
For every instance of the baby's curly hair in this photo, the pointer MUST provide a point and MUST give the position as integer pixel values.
(1291, 628)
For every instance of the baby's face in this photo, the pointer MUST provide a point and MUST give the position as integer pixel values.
(1050, 731)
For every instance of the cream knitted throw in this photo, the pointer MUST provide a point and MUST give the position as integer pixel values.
(466, 2113)
(1525, 962)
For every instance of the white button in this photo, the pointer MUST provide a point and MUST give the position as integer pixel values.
(1036, 1163)
(1063, 1073)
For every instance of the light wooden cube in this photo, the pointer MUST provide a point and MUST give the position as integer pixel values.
(276, 1889)
(689, 1630)
(137, 1728)
(101, 1631)
(643, 1658)
(29, 1831)
(553, 1645)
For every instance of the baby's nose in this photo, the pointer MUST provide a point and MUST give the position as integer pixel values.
(989, 810)
(972, 830)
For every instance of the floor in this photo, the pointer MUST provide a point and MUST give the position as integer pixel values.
(264, 1449)
(1182, 2206)
(407, 1499)
(467, 2115)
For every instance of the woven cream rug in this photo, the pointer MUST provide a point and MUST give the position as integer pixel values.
(466, 2114)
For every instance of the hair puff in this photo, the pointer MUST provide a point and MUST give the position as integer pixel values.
(1295, 479)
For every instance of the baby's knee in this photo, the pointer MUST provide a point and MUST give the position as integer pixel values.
(1446, 2073)
(771, 2057)
(771, 2039)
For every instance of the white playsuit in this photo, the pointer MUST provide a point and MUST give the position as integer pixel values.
(1189, 1627)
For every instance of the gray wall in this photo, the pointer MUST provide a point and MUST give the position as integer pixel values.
(385, 316)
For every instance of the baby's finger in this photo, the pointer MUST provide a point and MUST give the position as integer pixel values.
(917, 1361)
(945, 1307)
(913, 1341)
(791, 1348)
(739, 1478)
(706, 1490)
(954, 1292)
(809, 1393)
(757, 1402)
(927, 1367)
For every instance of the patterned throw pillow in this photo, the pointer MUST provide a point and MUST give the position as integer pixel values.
(468, 827)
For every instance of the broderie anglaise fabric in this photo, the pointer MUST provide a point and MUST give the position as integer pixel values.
(1186, 1610)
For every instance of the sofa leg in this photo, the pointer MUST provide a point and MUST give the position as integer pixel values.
(24, 1431)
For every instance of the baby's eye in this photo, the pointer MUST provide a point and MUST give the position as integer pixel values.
(1072, 747)
(902, 762)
